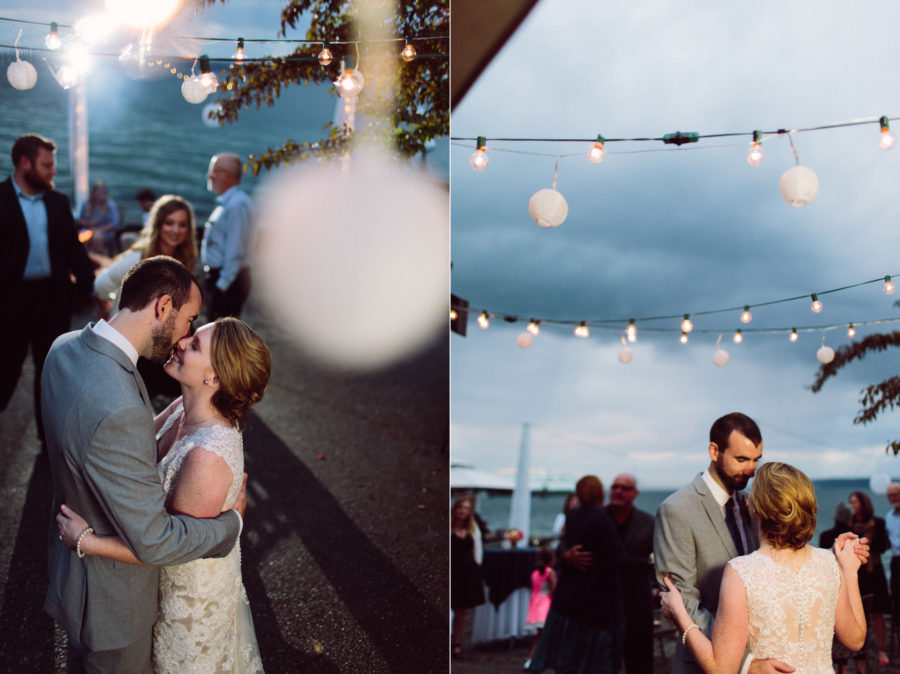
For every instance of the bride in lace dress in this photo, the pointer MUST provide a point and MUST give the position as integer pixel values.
(204, 622)
(787, 599)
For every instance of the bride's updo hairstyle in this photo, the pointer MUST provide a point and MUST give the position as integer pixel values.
(242, 363)
(785, 502)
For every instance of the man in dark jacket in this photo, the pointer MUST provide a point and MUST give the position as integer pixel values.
(39, 255)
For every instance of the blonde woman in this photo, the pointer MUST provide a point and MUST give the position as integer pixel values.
(204, 622)
(466, 589)
(169, 231)
(787, 599)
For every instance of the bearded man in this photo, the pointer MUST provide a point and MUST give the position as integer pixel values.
(40, 254)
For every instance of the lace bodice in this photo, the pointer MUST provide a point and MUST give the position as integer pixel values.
(791, 610)
(223, 441)
(204, 623)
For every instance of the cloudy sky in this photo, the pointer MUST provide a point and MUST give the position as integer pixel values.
(657, 230)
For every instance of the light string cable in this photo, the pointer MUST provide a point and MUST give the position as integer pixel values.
(616, 323)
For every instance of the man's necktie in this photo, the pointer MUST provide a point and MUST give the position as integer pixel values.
(733, 526)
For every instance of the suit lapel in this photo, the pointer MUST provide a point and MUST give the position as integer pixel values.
(106, 347)
(714, 512)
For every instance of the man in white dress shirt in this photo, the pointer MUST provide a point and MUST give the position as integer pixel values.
(227, 239)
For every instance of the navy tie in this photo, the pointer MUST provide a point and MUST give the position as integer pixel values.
(733, 526)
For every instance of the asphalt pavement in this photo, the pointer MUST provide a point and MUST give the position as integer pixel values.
(344, 550)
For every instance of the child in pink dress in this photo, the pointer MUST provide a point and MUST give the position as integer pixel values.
(543, 581)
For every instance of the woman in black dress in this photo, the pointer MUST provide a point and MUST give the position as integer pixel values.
(466, 590)
(871, 576)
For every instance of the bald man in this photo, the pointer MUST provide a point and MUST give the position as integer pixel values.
(228, 239)
(635, 529)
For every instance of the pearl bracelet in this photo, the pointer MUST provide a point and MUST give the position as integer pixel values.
(86, 531)
(684, 636)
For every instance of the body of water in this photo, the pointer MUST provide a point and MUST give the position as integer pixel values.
(494, 508)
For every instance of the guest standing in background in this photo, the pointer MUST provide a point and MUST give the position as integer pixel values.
(583, 626)
(145, 199)
(559, 524)
(466, 589)
(228, 239)
(39, 254)
(635, 530)
(871, 575)
(892, 523)
(100, 215)
(543, 582)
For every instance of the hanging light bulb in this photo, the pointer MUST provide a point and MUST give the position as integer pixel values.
(479, 159)
(631, 331)
(239, 54)
(888, 286)
(684, 338)
(794, 336)
(887, 139)
(52, 40)
(582, 330)
(686, 325)
(597, 154)
(409, 52)
(208, 79)
(851, 331)
(325, 56)
(67, 76)
(756, 155)
(483, 320)
(350, 83)
(453, 315)
(738, 337)
(816, 304)
(533, 327)
(745, 315)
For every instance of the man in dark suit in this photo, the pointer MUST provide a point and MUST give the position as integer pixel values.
(635, 530)
(39, 254)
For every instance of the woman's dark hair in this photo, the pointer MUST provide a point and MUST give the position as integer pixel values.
(867, 510)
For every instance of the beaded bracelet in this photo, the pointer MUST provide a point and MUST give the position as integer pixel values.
(684, 636)
(86, 531)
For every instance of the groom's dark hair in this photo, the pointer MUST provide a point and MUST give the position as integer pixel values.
(735, 421)
(151, 278)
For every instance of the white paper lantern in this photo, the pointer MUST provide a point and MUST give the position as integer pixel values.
(548, 208)
(21, 74)
(879, 482)
(825, 355)
(211, 122)
(721, 358)
(625, 355)
(523, 340)
(799, 185)
(193, 90)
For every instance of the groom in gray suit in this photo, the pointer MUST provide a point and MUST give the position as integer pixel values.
(99, 431)
(704, 524)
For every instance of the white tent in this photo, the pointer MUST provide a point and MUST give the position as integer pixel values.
(464, 477)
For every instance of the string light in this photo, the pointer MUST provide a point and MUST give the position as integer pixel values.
(208, 79)
(350, 83)
(886, 139)
(794, 337)
(816, 305)
(684, 338)
(596, 154)
(409, 52)
(52, 40)
(851, 331)
(483, 320)
(631, 331)
(888, 286)
(325, 56)
(533, 327)
(453, 315)
(686, 325)
(479, 160)
(738, 337)
(239, 54)
(745, 315)
(755, 154)
(582, 330)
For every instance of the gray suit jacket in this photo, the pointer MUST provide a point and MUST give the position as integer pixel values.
(98, 426)
(692, 545)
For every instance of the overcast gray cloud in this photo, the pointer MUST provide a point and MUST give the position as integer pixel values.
(673, 231)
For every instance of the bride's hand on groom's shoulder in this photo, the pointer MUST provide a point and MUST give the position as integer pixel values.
(71, 525)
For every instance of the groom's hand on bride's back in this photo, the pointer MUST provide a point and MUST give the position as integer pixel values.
(240, 503)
